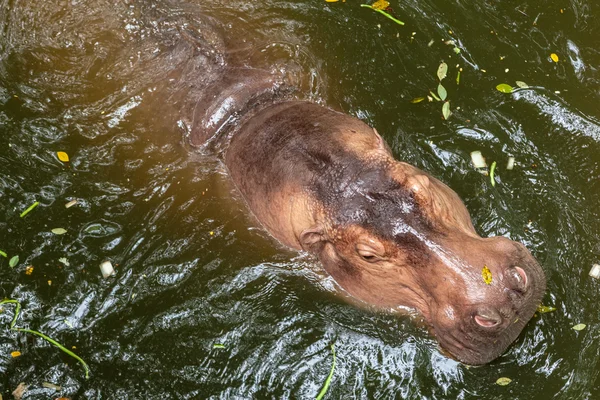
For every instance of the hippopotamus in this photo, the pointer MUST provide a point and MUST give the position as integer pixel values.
(392, 236)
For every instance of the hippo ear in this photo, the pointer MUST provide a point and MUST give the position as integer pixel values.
(312, 238)
(383, 146)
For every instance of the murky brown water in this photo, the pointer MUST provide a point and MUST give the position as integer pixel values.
(114, 85)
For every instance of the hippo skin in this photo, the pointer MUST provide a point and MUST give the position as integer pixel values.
(390, 235)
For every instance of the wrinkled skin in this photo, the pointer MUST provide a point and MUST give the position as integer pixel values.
(390, 235)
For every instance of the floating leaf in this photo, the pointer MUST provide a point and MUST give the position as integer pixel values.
(579, 327)
(503, 381)
(62, 156)
(59, 231)
(545, 309)
(13, 261)
(486, 274)
(492, 169)
(435, 96)
(218, 346)
(554, 57)
(446, 110)
(442, 92)
(456, 50)
(328, 380)
(14, 354)
(504, 88)
(522, 84)
(442, 71)
(3, 254)
(417, 100)
(380, 5)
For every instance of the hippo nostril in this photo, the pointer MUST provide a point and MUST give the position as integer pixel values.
(517, 279)
(487, 318)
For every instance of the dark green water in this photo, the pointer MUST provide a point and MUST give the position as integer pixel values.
(108, 82)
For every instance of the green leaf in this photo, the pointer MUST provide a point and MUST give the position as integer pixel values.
(492, 169)
(503, 381)
(442, 71)
(545, 309)
(31, 207)
(579, 327)
(218, 346)
(435, 96)
(3, 254)
(505, 88)
(456, 50)
(446, 110)
(522, 84)
(328, 380)
(442, 92)
(13, 261)
(59, 231)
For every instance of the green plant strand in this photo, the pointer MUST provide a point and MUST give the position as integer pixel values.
(31, 207)
(492, 170)
(328, 380)
(384, 13)
(48, 339)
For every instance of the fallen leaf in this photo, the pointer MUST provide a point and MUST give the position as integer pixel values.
(15, 354)
(13, 261)
(522, 84)
(59, 231)
(380, 5)
(417, 100)
(446, 110)
(579, 327)
(487, 275)
(442, 92)
(504, 88)
(442, 71)
(545, 309)
(503, 381)
(554, 57)
(20, 391)
(62, 156)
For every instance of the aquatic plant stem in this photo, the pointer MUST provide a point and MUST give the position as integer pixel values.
(48, 339)
(328, 380)
(384, 13)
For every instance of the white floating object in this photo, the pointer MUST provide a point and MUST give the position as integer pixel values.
(595, 271)
(71, 203)
(107, 269)
(511, 163)
(478, 160)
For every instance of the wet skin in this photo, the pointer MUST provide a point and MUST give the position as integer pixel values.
(391, 235)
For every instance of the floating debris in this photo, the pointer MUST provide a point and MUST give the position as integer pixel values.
(49, 385)
(545, 309)
(59, 231)
(492, 169)
(511, 163)
(554, 57)
(71, 203)
(107, 269)
(522, 84)
(503, 381)
(595, 271)
(31, 207)
(478, 160)
(579, 327)
(62, 156)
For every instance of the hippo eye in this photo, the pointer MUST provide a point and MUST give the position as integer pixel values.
(370, 251)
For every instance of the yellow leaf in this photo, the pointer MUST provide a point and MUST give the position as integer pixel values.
(486, 274)
(29, 270)
(15, 354)
(380, 4)
(62, 156)
(503, 381)
(554, 57)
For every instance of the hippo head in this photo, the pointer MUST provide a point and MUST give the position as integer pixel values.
(394, 236)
